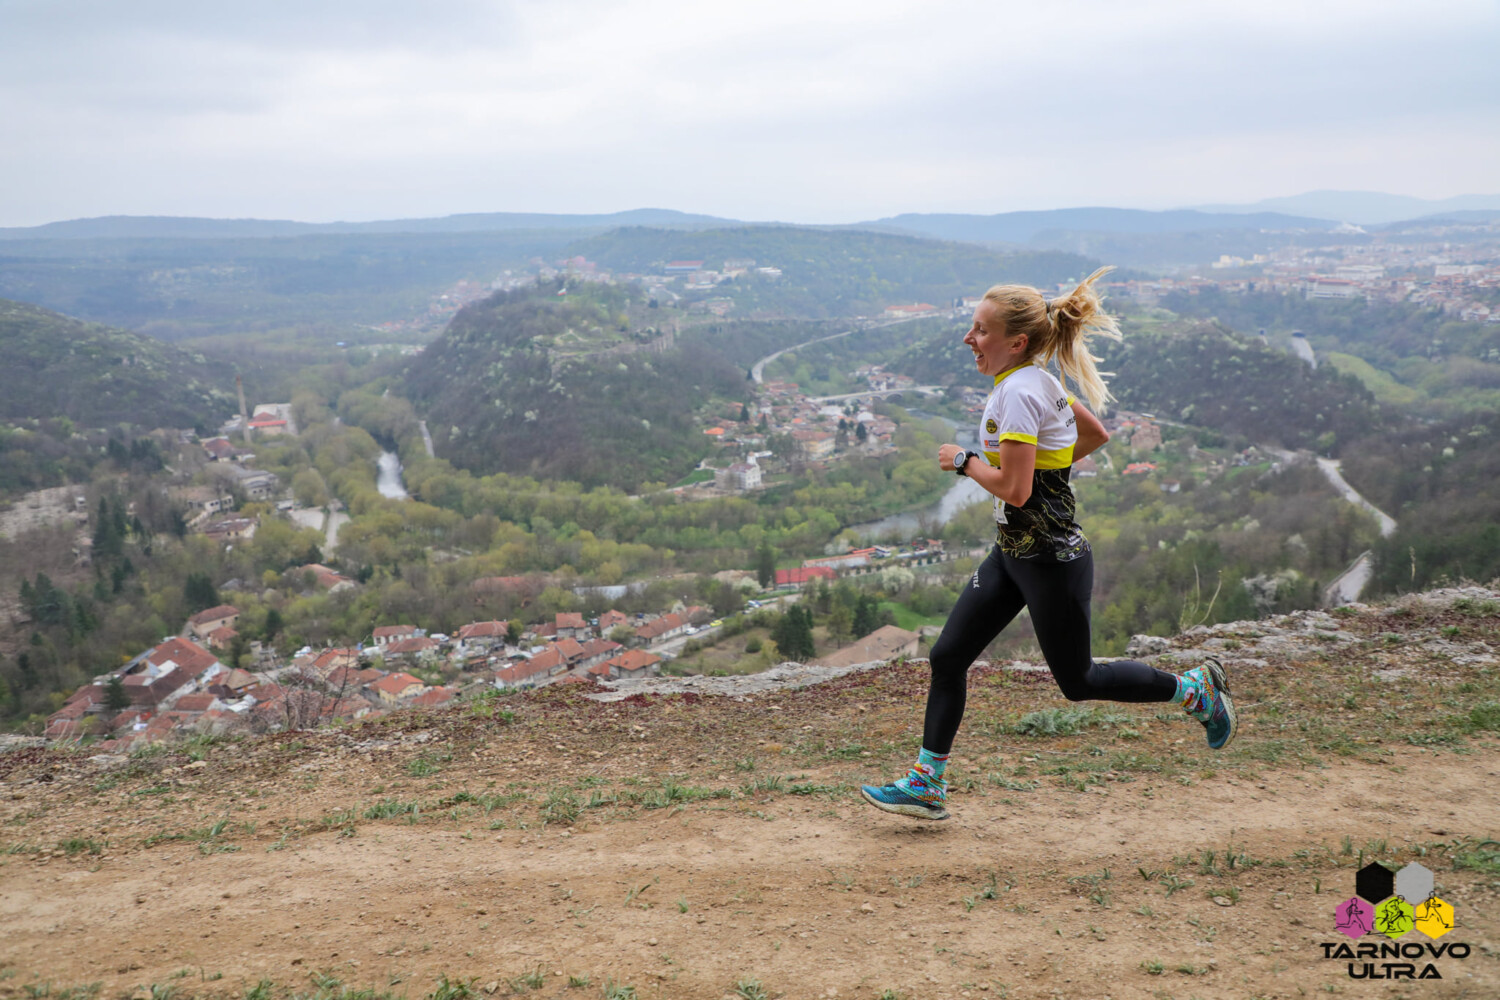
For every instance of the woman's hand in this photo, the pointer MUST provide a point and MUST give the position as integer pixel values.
(945, 456)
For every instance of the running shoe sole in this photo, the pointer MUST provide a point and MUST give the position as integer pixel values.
(1221, 685)
(900, 809)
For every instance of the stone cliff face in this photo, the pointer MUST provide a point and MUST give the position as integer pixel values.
(1415, 636)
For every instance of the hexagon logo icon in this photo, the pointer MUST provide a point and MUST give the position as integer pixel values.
(1354, 917)
(1374, 882)
(1433, 917)
(1393, 918)
(1414, 882)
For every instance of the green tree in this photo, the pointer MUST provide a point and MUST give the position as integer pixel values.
(793, 634)
(116, 698)
(199, 592)
(309, 488)
(765, 565)
(866, 616)
(109, 534)
(274, 625)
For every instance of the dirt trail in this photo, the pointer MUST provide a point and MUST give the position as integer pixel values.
(810, 899)
(683, 843)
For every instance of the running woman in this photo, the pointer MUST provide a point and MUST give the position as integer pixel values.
(1031, 433)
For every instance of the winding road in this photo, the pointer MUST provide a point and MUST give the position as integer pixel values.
(757, 370)
(1350, 584)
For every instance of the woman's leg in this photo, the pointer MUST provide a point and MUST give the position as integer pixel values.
(1058, 596)
(990, 600)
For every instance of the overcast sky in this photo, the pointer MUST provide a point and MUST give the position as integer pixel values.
(803, 111)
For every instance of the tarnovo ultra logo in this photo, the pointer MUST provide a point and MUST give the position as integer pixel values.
(1381, 905)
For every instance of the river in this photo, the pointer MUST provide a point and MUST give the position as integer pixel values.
(911, 523)
(388, 479)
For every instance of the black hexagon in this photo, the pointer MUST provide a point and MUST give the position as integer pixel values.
(1374, 882)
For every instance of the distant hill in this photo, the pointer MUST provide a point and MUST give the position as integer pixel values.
(572, 387)
(137, 227)
(1025, 227)
(178, 287)
(1362, 207)
(56, 366)
(828, 273)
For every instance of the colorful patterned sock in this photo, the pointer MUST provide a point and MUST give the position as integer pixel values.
(1195, 693)
(925, 780)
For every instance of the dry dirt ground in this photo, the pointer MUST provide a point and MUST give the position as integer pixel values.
(684, 846)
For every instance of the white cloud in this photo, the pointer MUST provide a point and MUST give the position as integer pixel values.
(802, 111)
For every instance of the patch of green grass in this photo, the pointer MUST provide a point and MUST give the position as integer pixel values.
(453, 989)
(1483, 857)
(1064, 721)
(750, 989)
(908, 619)
(1172, 884)
(562, 807)
(74, 846)
(1483, 716)
(618, 991)
(673, 793)
(423, 766)
(771, 783)
(391, 808)
(990, 891)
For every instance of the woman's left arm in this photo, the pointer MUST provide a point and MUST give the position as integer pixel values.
(1091, 433)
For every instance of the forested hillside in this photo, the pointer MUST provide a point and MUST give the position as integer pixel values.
(55, 366)
(1438, 481)
(521, 383)
(1406, 353)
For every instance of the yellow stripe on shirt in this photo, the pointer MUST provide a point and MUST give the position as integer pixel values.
(1046, 458)
(1057, 458)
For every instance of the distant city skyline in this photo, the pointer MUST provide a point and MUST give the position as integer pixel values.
(810, 113)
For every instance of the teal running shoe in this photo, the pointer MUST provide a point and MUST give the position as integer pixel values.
(893, 798)
(1213, 706)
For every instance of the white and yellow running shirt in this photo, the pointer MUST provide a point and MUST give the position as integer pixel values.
(1030, 405)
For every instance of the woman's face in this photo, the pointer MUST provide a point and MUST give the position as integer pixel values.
(994, 351)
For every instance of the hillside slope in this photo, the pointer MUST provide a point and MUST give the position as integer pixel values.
(678, 845)
(570, 387)
(56, 366)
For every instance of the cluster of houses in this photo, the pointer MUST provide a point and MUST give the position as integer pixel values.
(817, 429)
(1456, 278)
(181, 685)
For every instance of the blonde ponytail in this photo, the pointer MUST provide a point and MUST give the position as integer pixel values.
(1057, 330)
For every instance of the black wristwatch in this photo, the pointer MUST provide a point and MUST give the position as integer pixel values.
(960, 459)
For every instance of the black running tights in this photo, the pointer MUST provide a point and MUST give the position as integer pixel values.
(1057, 595)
